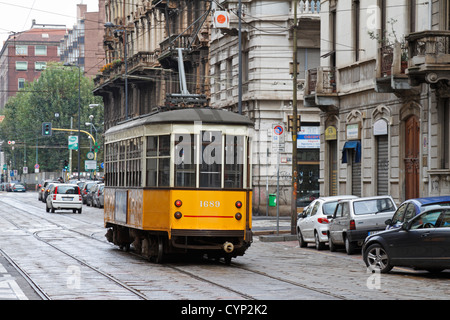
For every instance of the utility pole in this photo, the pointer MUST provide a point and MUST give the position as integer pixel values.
(240, 57)
(294, 125)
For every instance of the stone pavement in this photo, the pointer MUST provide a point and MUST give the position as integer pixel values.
(268, 229)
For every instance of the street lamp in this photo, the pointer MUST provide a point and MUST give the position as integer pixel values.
(124, 30)
(79, 113)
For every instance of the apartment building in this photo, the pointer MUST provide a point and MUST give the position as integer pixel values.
(83, 44)
(383, 91)
(267, 91)
(25, 54)
(141, 42)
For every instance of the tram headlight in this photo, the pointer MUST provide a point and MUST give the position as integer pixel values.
(178, 203)
(238, 216)
(178, 215)
(238, 204)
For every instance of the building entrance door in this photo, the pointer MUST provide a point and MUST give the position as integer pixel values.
(412, 153)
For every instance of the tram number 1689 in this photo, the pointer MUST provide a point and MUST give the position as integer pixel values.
(209, 204)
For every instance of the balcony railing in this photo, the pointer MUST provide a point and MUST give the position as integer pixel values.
(321, 81)
(309, 7)
(429, 47)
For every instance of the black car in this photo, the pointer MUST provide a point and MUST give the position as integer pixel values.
(421, 243)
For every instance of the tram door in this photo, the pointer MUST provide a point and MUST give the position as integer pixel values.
(412, 152)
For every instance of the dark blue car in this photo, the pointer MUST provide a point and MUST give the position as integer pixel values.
(421, 243)
(412, 207)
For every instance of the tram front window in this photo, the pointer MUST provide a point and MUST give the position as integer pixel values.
(158, 161)
(210, 165)
(185, 168)
(234, 162)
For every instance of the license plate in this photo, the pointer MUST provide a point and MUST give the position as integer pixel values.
(67, 199)
(374, 232)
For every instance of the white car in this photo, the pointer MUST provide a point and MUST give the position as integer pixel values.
(64, 196)
(312, 224)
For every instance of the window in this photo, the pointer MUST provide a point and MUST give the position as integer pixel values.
(21, 83)
(158, 161)
(234, 162)
(21, 66)
(21, 50)
(426, 220)
(211, 163)
(185, 167)
(40, 50)
(39, 66)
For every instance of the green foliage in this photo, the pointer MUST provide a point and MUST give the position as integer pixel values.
(54, 98)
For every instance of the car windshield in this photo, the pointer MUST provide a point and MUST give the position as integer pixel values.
(373, 206)
(68, 190)
(328, 208)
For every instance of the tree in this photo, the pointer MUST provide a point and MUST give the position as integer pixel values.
(51, 98)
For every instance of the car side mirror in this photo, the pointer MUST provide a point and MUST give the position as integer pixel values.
(388, 222)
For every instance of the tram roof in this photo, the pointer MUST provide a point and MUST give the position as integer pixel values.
(190, 115)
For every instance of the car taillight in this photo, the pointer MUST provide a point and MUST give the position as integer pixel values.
(323, 220)
(56, 191)
(352, 225)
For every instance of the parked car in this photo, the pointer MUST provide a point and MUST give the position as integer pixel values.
(64, 196)
(86, 189)
(17, 187)
(312, 224)
(97, 197)
(412, 207)
(422, 243)
(355, 219)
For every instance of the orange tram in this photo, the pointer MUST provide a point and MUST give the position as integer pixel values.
(180, 182)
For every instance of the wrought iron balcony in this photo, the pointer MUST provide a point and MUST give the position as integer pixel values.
(429, 57)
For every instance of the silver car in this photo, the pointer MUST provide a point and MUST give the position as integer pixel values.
(355, 219)
(312, 225)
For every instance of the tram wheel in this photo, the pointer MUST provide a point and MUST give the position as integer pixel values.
(160, 250)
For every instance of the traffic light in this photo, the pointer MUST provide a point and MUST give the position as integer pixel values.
(46, 128)
(66, 164)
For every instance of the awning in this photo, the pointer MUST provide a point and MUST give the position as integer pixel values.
(355, 145)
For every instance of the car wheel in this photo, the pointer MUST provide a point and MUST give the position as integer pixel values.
(319, 245)
(79, 210)
(377, 259)
(350, 247)
(47, 208)
(301, 242)
(331, 244)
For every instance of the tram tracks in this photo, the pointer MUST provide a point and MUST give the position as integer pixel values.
(189, 270)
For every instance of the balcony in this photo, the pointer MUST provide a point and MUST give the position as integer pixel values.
(391, 71)
(429, 58)
(309, 7)
(320, 89)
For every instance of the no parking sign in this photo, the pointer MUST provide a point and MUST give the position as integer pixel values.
(278, 137)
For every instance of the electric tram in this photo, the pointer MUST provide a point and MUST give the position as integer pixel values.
(180, 182)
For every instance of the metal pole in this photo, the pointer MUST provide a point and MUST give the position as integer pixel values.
(294, 126)
(240, 58)
(79, 121)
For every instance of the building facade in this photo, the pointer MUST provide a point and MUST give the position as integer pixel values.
(141, 73)
(83, 44)
(267, 92)
(25, 54)
(383, 91)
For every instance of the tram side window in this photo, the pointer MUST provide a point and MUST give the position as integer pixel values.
(158, 161)
(185, 166)
(234, 162)
(211, 160)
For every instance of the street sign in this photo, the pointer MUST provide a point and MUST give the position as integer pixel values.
(90, 165)
(90, 155)
(25, 170)
(278, 138)
(73, 142)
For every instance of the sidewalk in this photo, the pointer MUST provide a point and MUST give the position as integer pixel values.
(266, 229)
